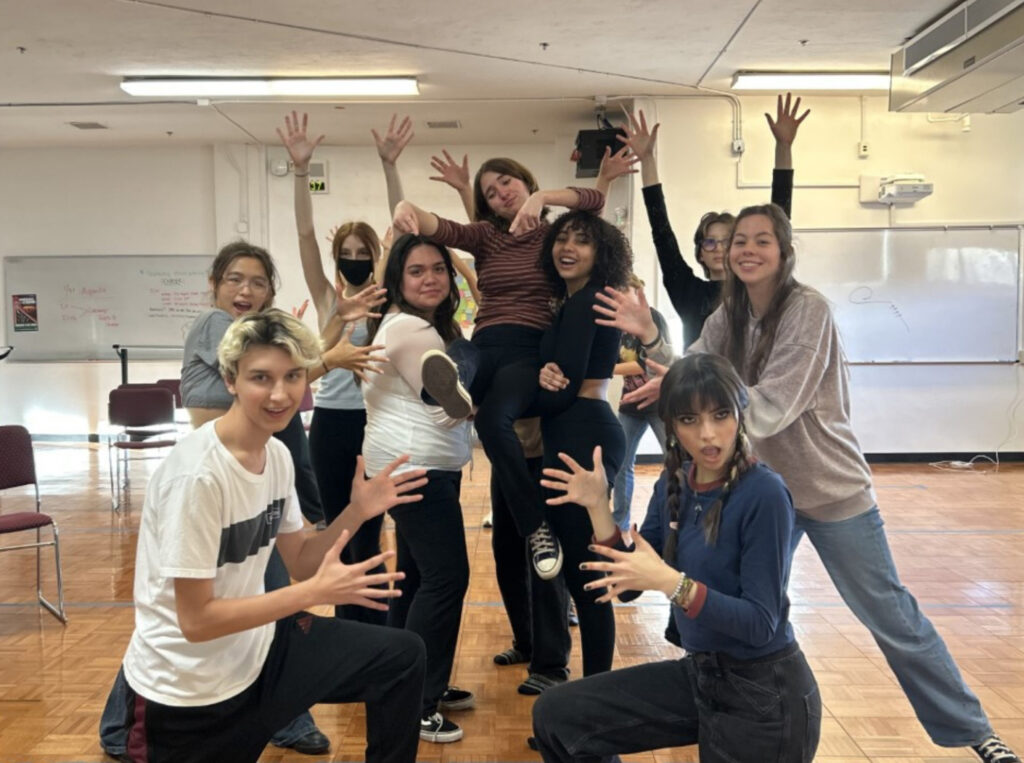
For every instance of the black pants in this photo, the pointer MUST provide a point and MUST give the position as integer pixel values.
(294, 438)
(523, 596)
(431, 549)
(335, 439)
(312, 659)
(766, 710)
(575, 431)
(504, 389)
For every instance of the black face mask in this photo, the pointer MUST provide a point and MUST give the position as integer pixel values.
(355, 272)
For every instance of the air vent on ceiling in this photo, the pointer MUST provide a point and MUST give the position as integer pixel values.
(971, 60)
(88, 126)
(446, 124)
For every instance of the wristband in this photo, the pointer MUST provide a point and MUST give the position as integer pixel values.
(682, 591)
(653, 342)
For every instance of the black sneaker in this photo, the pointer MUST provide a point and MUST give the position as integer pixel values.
(313, 742)
(441, 382)
(455, 698)
(546, 552)
(538, 683)
(511, 656)
(994, 750)
(436, 728)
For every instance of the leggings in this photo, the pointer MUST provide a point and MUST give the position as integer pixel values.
(335, 439)
(575, 431)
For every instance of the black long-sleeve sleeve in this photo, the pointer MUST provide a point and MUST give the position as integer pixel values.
(782, 190)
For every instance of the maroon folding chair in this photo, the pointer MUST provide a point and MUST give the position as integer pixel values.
(143, 413)
(18, 468)
(174, 385)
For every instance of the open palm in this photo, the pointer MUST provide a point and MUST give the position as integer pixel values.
(300, 148)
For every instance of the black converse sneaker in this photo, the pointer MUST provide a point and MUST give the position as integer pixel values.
(546, 552)
(455, 698)
(994, 750)
(441, 382)
(437, 728)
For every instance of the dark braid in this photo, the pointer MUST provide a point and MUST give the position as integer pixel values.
(673, 493)
(741, 461)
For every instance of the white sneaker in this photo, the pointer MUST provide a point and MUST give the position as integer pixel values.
(441, 381)
(546, 552)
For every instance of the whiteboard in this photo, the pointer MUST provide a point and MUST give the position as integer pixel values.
(85, 304)
(903, 295)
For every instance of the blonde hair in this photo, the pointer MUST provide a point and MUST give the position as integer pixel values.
(269, 328)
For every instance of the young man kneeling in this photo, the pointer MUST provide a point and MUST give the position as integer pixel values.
(215, 665)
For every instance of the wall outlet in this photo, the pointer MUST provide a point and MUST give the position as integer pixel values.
(862, 149)
(738, 146)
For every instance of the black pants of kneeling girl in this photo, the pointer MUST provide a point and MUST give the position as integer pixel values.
(430, 541)
(576, 431)
(765, 710)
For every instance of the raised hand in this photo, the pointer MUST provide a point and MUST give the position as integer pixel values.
(372, 497)
(300, 148)
(639, 139)
(616, 165)
(643, 569)
(552, 378)
(389, 148)
(360, 305)
(358, 360)
(786, 121)
(627, 311)
(299, 311)
(528, 217)
(339, 583)
(455, 175)
(586, 487)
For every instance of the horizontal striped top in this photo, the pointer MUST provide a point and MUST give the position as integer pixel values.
(513, 287)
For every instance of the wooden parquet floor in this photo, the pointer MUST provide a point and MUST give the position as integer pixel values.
(958, 538)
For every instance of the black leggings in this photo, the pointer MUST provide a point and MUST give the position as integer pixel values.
(504, 389)
(575, 431)
(431, 547)
(335, 439)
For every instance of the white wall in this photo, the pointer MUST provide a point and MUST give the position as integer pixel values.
(192, 200)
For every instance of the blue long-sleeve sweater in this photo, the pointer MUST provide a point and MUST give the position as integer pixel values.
(743, 609)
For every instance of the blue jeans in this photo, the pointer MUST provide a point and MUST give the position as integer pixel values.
(856, 555)
(633, 426)
(114, 735)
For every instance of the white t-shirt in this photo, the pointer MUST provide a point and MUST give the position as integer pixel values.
(205, 516)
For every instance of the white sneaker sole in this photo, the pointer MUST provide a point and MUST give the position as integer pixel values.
(441, 381)
(441, 737)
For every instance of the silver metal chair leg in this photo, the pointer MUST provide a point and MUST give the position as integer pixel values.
(59, 612)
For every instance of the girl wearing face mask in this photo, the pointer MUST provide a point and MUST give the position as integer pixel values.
(506, 240)
(430, 540)
(339, 414)
(718, 548)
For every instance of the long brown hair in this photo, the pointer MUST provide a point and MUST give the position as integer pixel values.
(364, 232)
(736, 301)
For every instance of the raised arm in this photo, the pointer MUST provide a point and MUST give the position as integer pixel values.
(784, 128)
(528, 216)
(457, 176)
(300, 149)
(389, 148)
(642, 142)
(614, 166)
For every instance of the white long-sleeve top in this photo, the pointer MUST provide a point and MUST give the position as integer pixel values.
(398, 422)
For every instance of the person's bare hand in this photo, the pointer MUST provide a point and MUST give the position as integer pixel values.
(450, 172)
(359, 360)
(786, 121)
(300, 148)
(390, 147)
(642, 569)
(586, 487)
(639, 139)
(552, 378)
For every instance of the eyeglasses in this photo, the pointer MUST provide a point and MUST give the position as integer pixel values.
(710, 244)
(257, 285)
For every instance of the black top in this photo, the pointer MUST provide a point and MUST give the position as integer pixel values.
(693, 297)
(580, 348)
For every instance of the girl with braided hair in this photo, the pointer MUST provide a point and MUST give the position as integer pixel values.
(717, 545)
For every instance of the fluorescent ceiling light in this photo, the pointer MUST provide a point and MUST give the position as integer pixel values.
(268, 87)
(795, 81)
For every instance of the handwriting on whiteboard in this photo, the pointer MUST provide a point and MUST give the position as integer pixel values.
(863, 295)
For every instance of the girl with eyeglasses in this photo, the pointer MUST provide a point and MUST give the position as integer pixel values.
(695, 298)
(718, 549)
